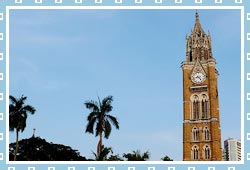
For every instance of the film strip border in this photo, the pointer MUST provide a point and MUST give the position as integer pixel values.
(125, 2)
(148, 166)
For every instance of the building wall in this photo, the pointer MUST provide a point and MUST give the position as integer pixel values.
(232, 150)
(213, 123)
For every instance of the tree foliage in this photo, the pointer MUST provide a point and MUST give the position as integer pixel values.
(166, 158)
(37, 149)
(18, 113)
(137, 156)
(115, 158)
(103, 156)
(100, 120)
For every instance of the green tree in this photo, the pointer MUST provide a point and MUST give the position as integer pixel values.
(18, 113)
(103, 156)
(99, 119)
(166, 158)
(137, 156)
(38, 149)
(115, 158)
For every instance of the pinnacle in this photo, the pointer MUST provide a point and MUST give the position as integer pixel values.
(196, 15)
(197, 25)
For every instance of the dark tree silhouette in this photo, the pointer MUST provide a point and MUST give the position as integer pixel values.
(18, 113)
(103, 156)
(137, 156)
(166, 158)
(37, 149)
(115, 158)
(99, 119)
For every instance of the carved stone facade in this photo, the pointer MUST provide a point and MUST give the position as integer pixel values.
(201, 124)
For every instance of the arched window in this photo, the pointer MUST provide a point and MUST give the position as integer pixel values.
(195, 107)
(207, 152)
(206, 133)
(204, 106)
(195, 152)
(195, 134)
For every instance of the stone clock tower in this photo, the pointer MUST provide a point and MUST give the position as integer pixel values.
(201, 124)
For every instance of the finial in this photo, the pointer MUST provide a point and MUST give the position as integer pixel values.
(196, 14)
(34, 132)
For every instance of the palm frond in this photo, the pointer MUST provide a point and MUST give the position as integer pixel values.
(106, 104)
(107, 128)
(12, 99)
(113, 121)
(146, 155)
(92, 105)
(107, 100)
(104, 153)
(90, 125)
(96, 156)
(107, 108)
(23, 98)
(99, 101)
(29, 109)
(92, 115)
(22, 125)
(99, 128)
(20, 101)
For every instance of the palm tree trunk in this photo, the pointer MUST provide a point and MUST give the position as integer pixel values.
(99, 146)
(16, 145)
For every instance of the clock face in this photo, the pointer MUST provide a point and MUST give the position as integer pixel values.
(198, 77)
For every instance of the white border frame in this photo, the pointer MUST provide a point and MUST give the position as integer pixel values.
(243, 100)
(127, 7)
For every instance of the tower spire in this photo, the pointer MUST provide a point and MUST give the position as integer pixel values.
(198, 44)
(197, 26)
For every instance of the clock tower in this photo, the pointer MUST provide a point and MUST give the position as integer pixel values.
(201, 118)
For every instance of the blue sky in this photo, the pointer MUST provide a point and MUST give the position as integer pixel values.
(61, 58)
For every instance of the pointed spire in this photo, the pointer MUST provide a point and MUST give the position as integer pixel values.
(197, 25)
(198, 44)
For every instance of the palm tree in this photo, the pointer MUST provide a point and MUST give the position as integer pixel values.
(99, 119)
(115, 158)
(166, 158)
(18, 113)
(103, 154)
(137, 156)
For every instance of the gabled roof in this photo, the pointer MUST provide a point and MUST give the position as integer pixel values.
(198, 68)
